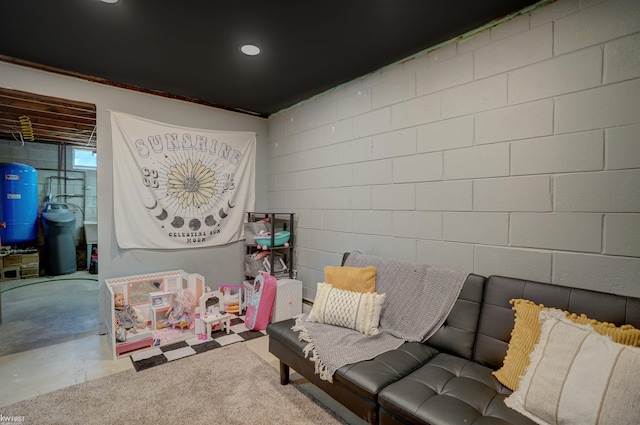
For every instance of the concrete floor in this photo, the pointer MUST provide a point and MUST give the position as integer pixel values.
(45, 311)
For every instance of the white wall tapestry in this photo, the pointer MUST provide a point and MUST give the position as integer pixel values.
(179, 187)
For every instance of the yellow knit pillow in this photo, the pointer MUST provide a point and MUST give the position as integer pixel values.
(526, 333)
(356, 279)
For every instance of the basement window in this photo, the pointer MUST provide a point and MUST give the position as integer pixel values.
(84, 159)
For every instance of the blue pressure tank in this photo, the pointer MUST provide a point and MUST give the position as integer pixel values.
(18, 203)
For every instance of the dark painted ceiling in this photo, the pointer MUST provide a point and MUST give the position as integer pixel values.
(190, 48)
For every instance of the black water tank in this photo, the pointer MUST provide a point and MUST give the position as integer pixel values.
(59, 238)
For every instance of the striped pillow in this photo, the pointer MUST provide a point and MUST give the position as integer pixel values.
(526, 332)
(578, 376)
(347, 309)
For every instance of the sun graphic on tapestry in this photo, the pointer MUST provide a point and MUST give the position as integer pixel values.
(187, 193)
(191, 184)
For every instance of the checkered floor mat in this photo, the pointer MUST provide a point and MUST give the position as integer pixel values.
(219, 338)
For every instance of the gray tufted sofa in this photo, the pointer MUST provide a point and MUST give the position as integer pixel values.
(447, 379)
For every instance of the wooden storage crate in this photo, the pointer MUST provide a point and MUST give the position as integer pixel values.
(29, 259)
(30, 271)
(12, 261)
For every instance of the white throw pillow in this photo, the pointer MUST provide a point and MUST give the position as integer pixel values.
(347, 309)
(577, 377)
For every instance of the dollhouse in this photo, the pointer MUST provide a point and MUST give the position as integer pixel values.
(150, 295)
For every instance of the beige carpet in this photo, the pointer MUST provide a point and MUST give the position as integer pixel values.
(231, 385)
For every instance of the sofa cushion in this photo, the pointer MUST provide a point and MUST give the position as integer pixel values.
(526, 333)
(448, 390)
(563, 385)
(347, 309)
(357, 279)
(366, 378)
(457, 334)
(369, 377)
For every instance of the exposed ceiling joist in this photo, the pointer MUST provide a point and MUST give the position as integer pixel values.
(53, 120)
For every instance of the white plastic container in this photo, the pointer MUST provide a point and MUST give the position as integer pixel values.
(288, 300)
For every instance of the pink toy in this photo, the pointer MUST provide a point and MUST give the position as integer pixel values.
(199, 325)
(232, 298)
(260, 304)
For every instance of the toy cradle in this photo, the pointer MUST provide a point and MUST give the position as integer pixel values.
(279, 239)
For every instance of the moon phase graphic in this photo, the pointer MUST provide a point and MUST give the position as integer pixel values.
(195, 223)
(177, 222)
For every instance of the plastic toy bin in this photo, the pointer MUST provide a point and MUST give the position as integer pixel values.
(279, 239)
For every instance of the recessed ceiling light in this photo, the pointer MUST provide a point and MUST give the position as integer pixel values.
(250, 49)
(109, 1)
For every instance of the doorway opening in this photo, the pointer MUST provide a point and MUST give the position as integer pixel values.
(43, 133)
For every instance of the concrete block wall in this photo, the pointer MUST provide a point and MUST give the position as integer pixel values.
(513, 151)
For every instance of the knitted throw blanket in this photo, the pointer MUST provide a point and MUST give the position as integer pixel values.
(418, 300)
